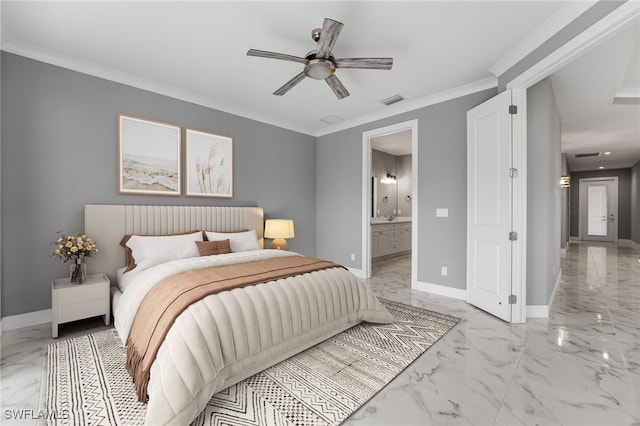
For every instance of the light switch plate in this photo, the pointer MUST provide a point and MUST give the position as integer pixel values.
(442, 212)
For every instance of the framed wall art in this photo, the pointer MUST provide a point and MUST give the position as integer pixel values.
(209, 164)
(148, 157)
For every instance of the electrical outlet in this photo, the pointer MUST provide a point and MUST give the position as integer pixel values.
(444, 271)
(353, 256)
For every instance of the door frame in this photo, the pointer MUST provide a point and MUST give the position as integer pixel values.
(604, 28)
(582, 195)
(367, 193)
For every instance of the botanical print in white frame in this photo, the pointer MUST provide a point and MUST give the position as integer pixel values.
(209, 164)
(149, 157)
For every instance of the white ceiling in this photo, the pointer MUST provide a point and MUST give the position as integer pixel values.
(397, 144)
(196, 51)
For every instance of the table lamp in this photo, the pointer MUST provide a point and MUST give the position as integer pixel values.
(279, 229)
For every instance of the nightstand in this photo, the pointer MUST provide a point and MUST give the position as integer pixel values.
(71, 302)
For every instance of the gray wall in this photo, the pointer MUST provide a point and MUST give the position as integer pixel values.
(581, 23)
(635, 202)
(59, 153)
(2, 268)
(442, 165)
(565, 205)
(624, 199)
(405, 179)
(543, 197)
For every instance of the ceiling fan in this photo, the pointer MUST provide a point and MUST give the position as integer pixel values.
(320, 64)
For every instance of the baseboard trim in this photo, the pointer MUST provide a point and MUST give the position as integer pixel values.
(454, 293)
(628, 243)
(553, 292)
(357, 272)
(26, 320)
(537, 311)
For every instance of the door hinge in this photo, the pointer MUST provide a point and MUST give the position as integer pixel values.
(513, 236)
(513, 299)
(513, 109)
(513, 172)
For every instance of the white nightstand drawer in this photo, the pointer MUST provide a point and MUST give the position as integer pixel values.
(71, 302)
(79, 294)
(82, 310)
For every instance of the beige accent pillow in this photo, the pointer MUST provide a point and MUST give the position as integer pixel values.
(212, 248)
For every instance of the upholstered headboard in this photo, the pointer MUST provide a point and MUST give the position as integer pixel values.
(107, 224)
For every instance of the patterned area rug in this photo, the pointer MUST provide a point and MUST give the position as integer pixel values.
(88, 383)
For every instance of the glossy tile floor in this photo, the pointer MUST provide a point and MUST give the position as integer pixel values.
(580, 366)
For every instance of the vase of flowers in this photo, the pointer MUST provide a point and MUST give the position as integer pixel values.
(75, 248)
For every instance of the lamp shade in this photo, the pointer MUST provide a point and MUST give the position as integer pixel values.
(279, 228)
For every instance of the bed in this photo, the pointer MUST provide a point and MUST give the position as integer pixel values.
(230, 335)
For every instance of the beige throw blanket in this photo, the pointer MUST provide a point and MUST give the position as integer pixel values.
(172, 296)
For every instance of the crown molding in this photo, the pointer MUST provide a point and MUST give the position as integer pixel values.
(563, 17)
(95, 70)
(407, 106)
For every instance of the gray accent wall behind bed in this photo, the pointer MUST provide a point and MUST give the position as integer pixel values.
(59, 153)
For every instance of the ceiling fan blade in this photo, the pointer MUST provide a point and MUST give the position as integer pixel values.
(365, 63)
(330, 31)
(273, 55)
(337, 87)
(289, 84)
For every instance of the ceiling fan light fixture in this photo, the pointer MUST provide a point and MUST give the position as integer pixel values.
(318, 69)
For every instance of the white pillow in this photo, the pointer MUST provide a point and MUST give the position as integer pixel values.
(150, 251)
(239, 241)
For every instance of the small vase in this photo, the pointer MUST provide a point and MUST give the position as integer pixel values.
(78, 272)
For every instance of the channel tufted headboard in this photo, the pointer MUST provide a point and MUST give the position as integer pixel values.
(107, 224)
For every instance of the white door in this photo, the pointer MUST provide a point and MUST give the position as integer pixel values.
(599, 209)
(489, 205)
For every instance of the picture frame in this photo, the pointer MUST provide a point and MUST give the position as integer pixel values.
(149, 157)
(209, 164)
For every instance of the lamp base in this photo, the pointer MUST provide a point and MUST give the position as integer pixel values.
(279, 244)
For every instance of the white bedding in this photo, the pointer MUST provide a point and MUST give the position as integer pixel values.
(230, 336)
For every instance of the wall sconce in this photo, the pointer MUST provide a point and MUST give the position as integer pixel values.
(388, 179)
(279, 229)
(565, 181)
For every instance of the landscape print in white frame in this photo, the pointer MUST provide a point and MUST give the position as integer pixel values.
(148, 157)
(209, 164)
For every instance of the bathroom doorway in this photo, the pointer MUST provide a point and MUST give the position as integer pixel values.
(389, 201)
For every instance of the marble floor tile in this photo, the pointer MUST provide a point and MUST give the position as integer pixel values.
(579, 366)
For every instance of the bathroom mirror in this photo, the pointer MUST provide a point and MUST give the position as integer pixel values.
(390, 185)
(384, 198)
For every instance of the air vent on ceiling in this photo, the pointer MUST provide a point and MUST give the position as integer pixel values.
(331, 119)
(588, 154)
(392, 100)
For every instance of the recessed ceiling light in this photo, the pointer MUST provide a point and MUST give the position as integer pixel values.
(601, 167)
(607, 153)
